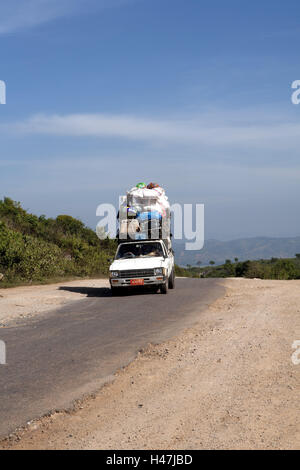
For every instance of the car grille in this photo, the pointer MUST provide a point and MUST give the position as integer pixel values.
(132, 273)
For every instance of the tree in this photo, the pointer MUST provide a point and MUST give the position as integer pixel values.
(297, 255)
(236, 260)
(212, 263)
(199, 263)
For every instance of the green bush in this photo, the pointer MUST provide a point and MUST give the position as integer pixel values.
(275, 268)
(284, 269)
(36, 248)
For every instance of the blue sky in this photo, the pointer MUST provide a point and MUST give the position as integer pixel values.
(195, 95)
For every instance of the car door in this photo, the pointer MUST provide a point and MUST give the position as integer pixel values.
(168, 260)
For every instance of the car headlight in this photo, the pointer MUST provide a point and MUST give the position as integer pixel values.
(114, 273)
(158, 271)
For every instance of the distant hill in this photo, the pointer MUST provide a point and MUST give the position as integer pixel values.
(243, 249)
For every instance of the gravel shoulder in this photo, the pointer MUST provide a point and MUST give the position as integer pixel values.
(227, 383)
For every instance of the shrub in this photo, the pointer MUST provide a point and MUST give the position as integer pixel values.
(36, 248)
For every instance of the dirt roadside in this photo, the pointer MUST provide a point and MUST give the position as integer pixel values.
(229, 382)
(21, 303)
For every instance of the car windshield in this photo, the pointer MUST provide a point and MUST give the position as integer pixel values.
(139, 250)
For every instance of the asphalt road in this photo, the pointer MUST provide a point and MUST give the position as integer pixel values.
(67, 353)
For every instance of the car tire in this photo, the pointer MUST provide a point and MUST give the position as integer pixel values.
(172, 280)
(164, 287)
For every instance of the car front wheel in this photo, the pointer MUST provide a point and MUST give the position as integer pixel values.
(164, 288)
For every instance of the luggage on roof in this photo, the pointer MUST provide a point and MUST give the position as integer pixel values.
(149, 207)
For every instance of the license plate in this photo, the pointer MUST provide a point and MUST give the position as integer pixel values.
(137, 282)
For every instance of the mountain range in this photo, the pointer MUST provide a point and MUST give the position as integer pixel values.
(243, 249)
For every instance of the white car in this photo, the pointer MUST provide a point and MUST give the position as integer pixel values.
(142, 263)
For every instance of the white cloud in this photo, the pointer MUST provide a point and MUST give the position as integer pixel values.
(18, 15)
(206, 130)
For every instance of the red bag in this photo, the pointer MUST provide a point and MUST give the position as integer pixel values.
(152, 185)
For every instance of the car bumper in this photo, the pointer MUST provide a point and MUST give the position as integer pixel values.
(149, 281)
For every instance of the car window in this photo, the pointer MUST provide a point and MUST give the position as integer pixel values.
(139, 250)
